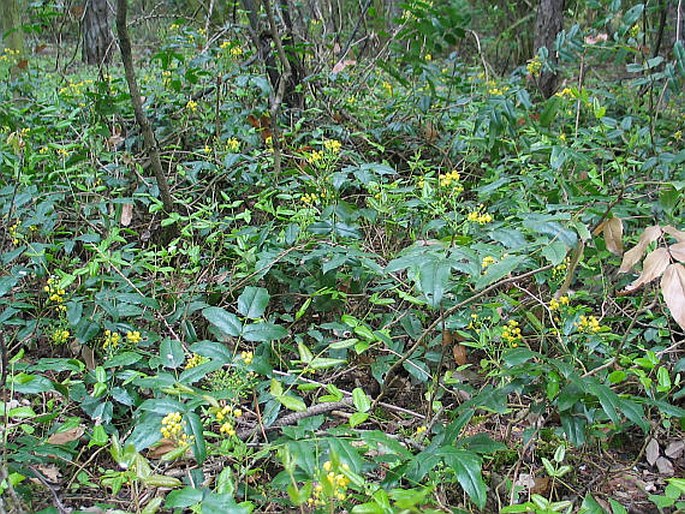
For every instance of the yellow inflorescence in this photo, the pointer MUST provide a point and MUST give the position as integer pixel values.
(315, 157)
(14, 233)
(232, 145)
(111, 339)
(195, 360)
(512, 333)
(588, 325)
(60, 336)
(333, 486)
(226, 415)
(555, 304)
(451, 180)
(534, 66)
(479, 216)
(247, 357)
(172, 427)
(191, 105)
(487, 261)
(332, 145)
(55, 294)
(133, 337)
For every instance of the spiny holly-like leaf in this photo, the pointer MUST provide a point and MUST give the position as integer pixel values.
(253, 301)
(633, 256)
(653, 267)
(226, 322)
(678, 251)
(679, 235)
(673, 289)
(613, 235)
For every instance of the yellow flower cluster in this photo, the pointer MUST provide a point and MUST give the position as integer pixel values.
(487, 261)
(195, 360)
(555, 304)
(534, 66)
(315, 157)
(111, 339)
(678, 135)
(133, 337)
(191, 105)
(233, 145)
(332, 486)
(567, 92)
(588, 325)
(450, 179)
(225, 416)
(55, 294)
(172, 427)
(332, 145)
(387, 87)
(495, 90)
(8, 54)
(479, 216)
(14, 233)
(75, 88)
(421, 430)
(512, 333)
(60, 336)
(247, 357)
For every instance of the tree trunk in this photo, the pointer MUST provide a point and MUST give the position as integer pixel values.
(97, 36)
(11, 34)
(548, 23)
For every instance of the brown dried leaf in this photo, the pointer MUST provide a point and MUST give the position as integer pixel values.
(162, 448)
(66, 437)
(665, 466)
(50, 472)
(459, 352)
(673, 289)
(633, 256)
(613, 235)
(126, 214)
(652, 451)
(675, 449)
(653, 267)
(341, 65)
(679, 235)
(678, 251)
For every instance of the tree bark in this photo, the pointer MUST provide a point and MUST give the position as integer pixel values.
(11, 33)
(548, 23)
(97, 36)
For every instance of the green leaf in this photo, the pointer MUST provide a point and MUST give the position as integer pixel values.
(199, 446)
(293, 403)
(325, 363)
(433, 279)
(183, 498)
(467, 467)
(171, 353)
(29, 384)
(499, 270)
(216, 351)
(260, 332)
(555, 252)
(225, 482)
(361, 400)
(253, 301)
(125, 359)
(162, 406)
(162, 481)
(358, 418)
(228, 323)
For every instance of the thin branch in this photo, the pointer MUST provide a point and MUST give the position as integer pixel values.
(142, 120)
(426, 333)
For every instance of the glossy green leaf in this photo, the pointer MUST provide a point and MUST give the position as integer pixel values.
(227, 322)
(253, 301)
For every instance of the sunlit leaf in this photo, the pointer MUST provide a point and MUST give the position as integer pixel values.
(228, 323)
(673, 289)
(633, 256)
(653, 267)
(253, 301)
